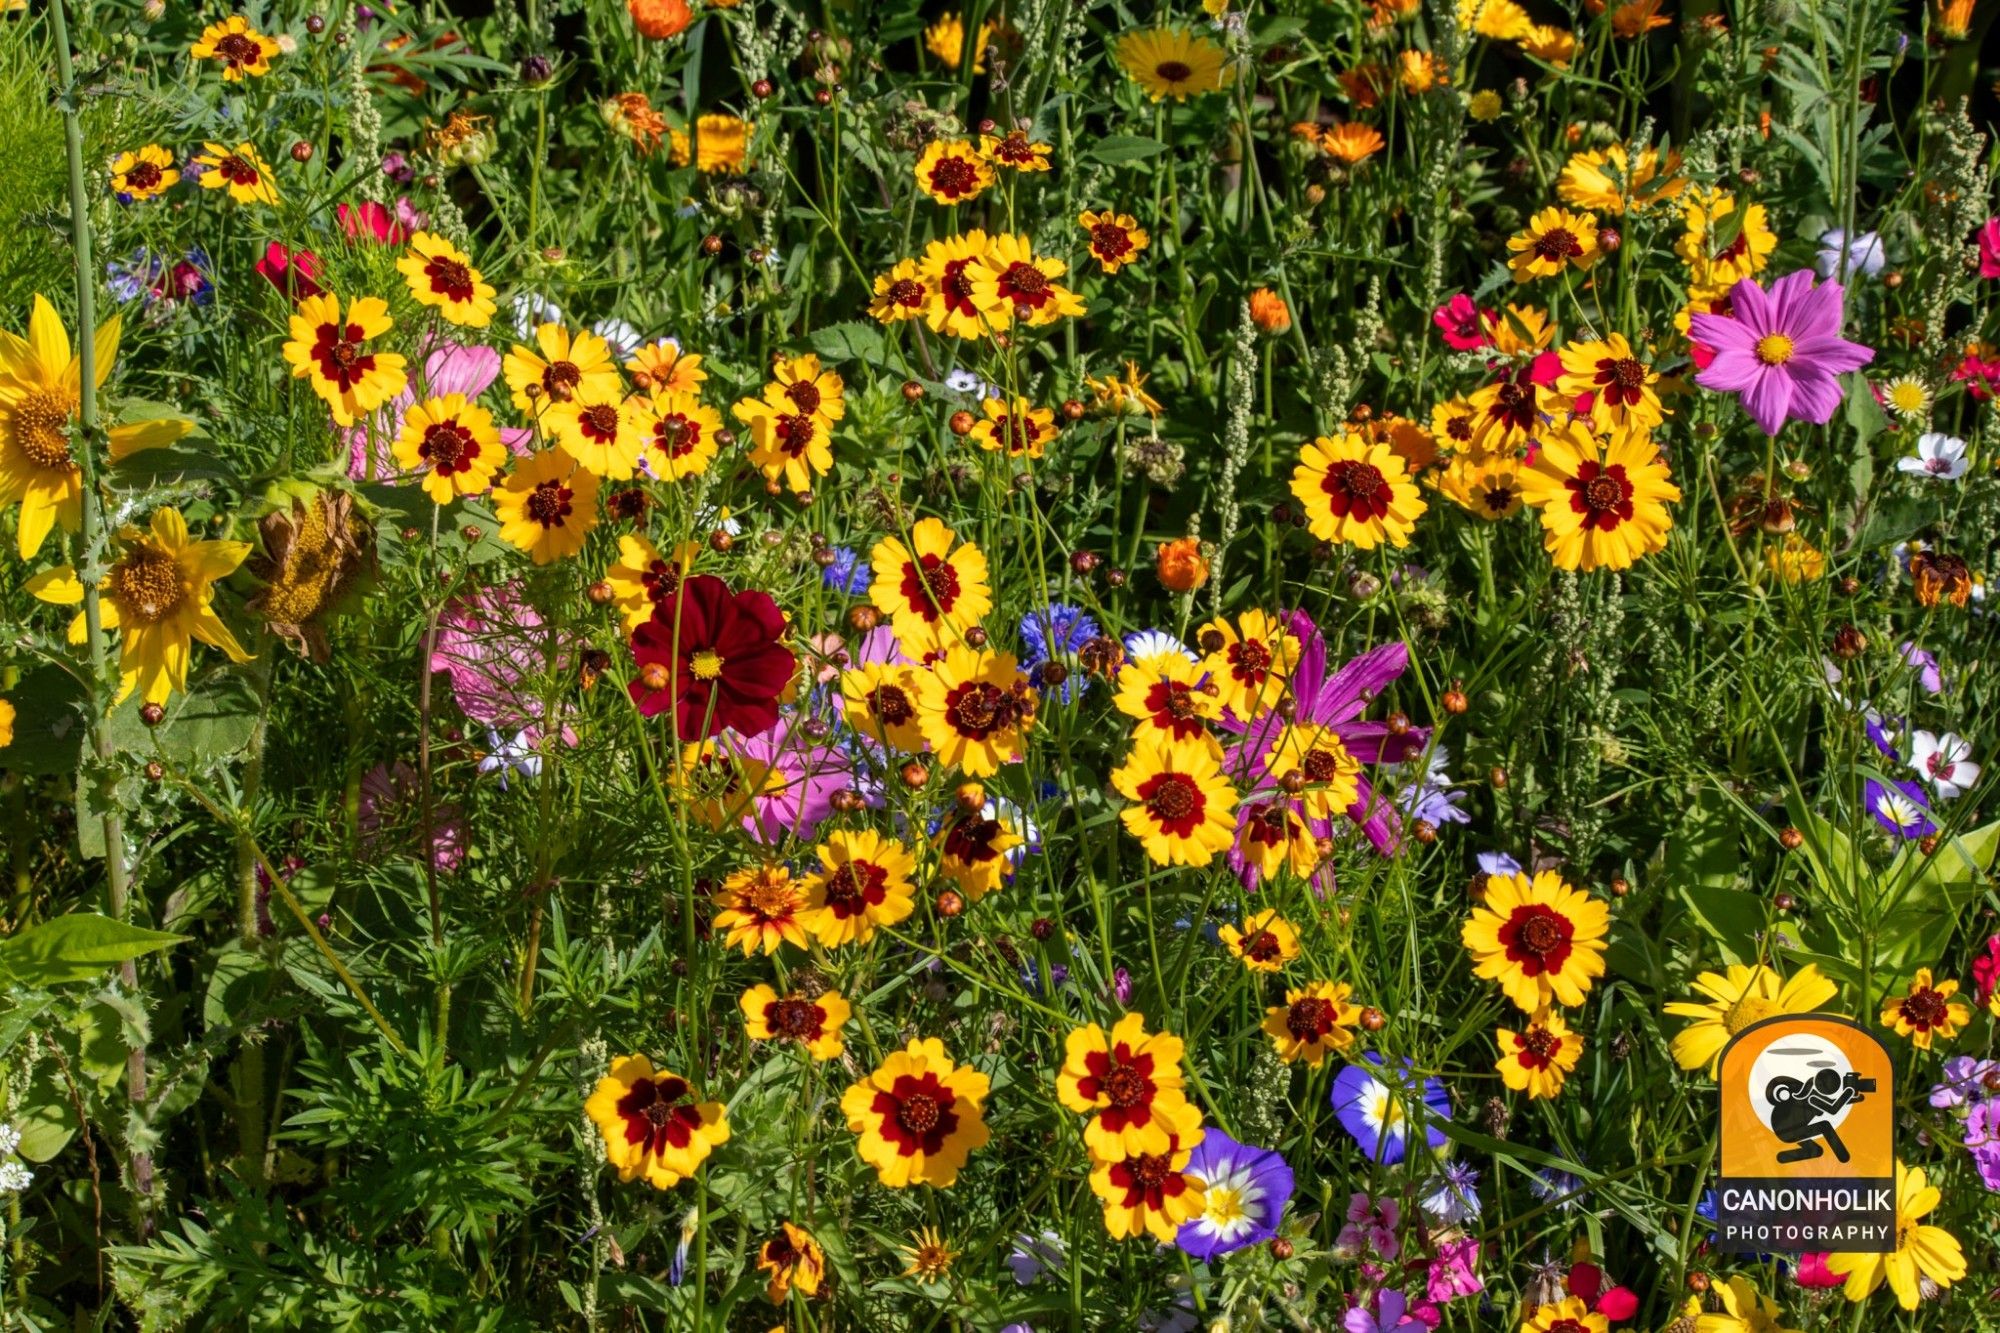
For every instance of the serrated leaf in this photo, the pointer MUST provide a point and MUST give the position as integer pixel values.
(850, 341)
(50, 723)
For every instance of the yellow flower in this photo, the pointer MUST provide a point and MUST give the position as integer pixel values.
(546, 505)
(331, 352)
(442, 275)
(453, 444)
(145, 174)
(901, 294)
(1557, 46)
(1420, 71)
(1607, 181)
(1173, 62)
(1540, 939)
(1131, 1079)
(863, 882)
(1126, 395)
(1272, 836)
(949, 267)
(1151, 1193)
(1164, 693)
(951, 171)
(975, 707)
(1520, 330)
(1009, 280)
(932, 590)
(722, 143)
(761, 907)
(240, 171)
(41, 390)
(239, 48)
(568, 367)
(1484, 106)
(643, 580)
(1572, 1314)
(814, 1022)
(810, 389)
(1602, 505)
(1636, 18)
(1250, 661)
(1620, 384)
(1921, 1251)
(1265, 943)
(1115, 238)
(945, 39)
(918, 1116)
(1715, 263)
(1315, 753)
(927, 1257)
(1743, 1311)
(794, 1260)
(1738, 997)
(789, 446)
(1183, 807)
(6, 724)
(1015, 151)
(1489, 487)
(1452, 425)
(1352, 142)
(1501, 20)
(879, 701)
(662, 367)
(1019, 429)
(1314, 1019)
(1927, 1011)
(158, 596)
(1553, 240)
(676, 434)
(604, 437)
(1356, 492)
(976, 852)
(1538, 1059)
(314, 553)
(1795, 560)
(1908, 397)
(653, 1127)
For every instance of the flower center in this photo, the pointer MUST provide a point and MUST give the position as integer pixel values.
(798, 1019)
(931, 587)
(41, 424)
(1357, 489)
(1252, 657)
(804, 395)
(548, 504)
(143, 176)
(148, 586)
(795, 433)
(1173, 71)
(676, 435)
(238, 171)
(1108, 240)
(1539, 1045)
(237, 49)
(601, 419)
(1174, 799)
(706, 664)
(1309, 1019)
(1557, 244)
(1925, 1009)
(1750, 1009)
(906, 292)
(449, 447)
(977, 708)
(1224, 1207)
(1125, 1086)
(1151, 1171)
(1262, 947)
(918, 1113)
(1320, 765)
(450, 278)
(560, 378)
(1026, 281)
(891, 704)
(953, 176)
(1774, 349)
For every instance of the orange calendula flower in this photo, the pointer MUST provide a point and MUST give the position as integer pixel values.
(1131, 1079)
(1015, 151)
(1357, 492)
(931, 589)
(1314, 1019)
(547, 505)
(1636, 18)
(660, 19)
(633, 116)
(1537, 1059)
(951, 171)
(918, 1116)
(1926, 1012)
(452, 444)
(560, 368)
(331, 352)
(1421, 71)
(1151, 1193)
(1018, 429)
(814, 1022)
(1010, 279)
(240, 49)
(1249, 661)
(1180, 565)
(863, 883)
(145, 174)
(442, 275)
(1182, 808)
(1352, 142)
(901, 293)
(1269, 311)
(1264, 943)
(1540, 939)
(1556, 46)
(794, 1261)
(1618, 384)
(676, 434)
(761, 907)
(722, 143)
(1115, 238)
(975, 707)
(239, 170)
(653, 1127)
(663, 367)
(1553, 240)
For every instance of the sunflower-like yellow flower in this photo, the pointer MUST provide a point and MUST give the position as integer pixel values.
(1736, 998)
(863, 883)
(1717, 265)
(1743, 1311)
(977, 851)
(1609, 180)
(331, 352)
(662, 366)
(1250, 661)
(654, 1129)
(1554, 239)
(948, 268)
(945, 39)
(760, 908)
(1356, 492)
(441, 275)
(1165, 694)
(1571, 1314)
(879, 700)
(604, 437)
(951, 171)
(1540, 939)
(452, 444)
(1922, 1252)
(975, 707)
(813, 1021)
(1489, 487)
(1620, 385)
(240, 49)
(240, 170)
(789, 434)
(676, 434)
(1010, 281)
(143, 174)
(562, 367)
(1182, 808)
(933, 588)
(546, 505)
(1926, 1012)
(644, 580)
(918, 1116)
(1151, 1193)
(1173, 62)
(1538, 1058)
(1265, 943)
(1315, 1018)
(1556, 46)
(1602, 505)
(1332, 775)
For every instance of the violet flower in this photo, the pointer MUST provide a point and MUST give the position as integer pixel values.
(1780, 351)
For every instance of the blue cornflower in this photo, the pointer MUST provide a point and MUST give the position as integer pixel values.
(848, 573)
(1057, 631)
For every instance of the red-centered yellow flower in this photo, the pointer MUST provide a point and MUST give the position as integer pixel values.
(1314, 1019)
(1332, 775)
(1922, 1252)
(931, 589)
(1602, 506)
(1169, 696)
(452, 444)
(795, 1262)
(813, 1021)
(1353, 142)
(879, 700)
(1604, 180)
(949, 267)
(1540, 939)
(975, 707)
(1116, 239)
(974, 853)
(1508, 411)
(787, 444)
(1265, 943)
(1357, 492)
(1519, 330)
(662, 367)
(676, 432)
(1554, 239)
(1250, 661)
(761, 907)
(605, 437)
(719, 787)
(1619, 384)
(546, 505)
(569, 367)
(1538, 1058)
(1718, 267)
(653, 1127)
(919, 1116)
(1489, 487)
(1173, 62)
(951, 171)
(1571, 1314)
(332, 353)
(158, 596)
(1131, 1079)
(1926, 1012)
(41, 389)
(1010, 279)
(1737, 998)
(441, 275)
(1151, 1193)
(863, 883)
(240, 49)
(1452, 426)
(644, 580)
(1183, 808)
(809, 389)
(1017, 428)
(240, 171)
(1271, 836)
(145, 174)
(901, 293)
(1015, 151)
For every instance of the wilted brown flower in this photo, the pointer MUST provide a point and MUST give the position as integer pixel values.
(313, 555)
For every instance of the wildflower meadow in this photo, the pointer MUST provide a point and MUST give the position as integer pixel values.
(729, 665)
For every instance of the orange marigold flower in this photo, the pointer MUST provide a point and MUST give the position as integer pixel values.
(1352, 143)
(1180, 565)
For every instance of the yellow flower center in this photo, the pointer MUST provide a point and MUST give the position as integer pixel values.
(1225, 1205)
(148, 586)
(1750, 1009)
(706, 665)
(1774, 349)
(41, 424)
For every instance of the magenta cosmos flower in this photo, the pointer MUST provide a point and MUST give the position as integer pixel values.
(1780, 351)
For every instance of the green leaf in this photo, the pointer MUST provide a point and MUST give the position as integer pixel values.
(1925, 896)
(1863, 412)
(79, 947)
(213, 720)
(851, 341)
(1701, 863)
(50, 723)
(1124, 148)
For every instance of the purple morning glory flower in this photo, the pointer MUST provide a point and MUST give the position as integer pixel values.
(1885, 732)
(1374, 1105)
(1900, 807)
(1497, 863)
(1780, 351)
(1982, 1137)
(1248, 1189)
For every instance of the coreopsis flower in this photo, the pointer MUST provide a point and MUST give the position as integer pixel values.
(1014, 427)
(787, 444)
(809, 389)
(901, 293)
(1555, 239)
(1164, 693)
(240, 49)
(813, 1021)
(1153, 1193)
(1737, 997)
(452, 444)
(951, 171)
(1272, 835)
(643, 580)
(1747, 252)
(676, 434)
(794, 1261)
(1780, 352)
(761, 907)
(1571, 1314)
(1743, 1311)
(143, 174)
(1182, 805)
(1352, 142)
(1490, 488)
(1331, 775)
(1519, 330)
(949, 267)
(653, 1127)
(449, 369)
(1945, 762)
(928, 1257)
(945, 39)
(1538, 1058)
(1010, 278)
(918, 1116)
(1015, 151)
(975, 707)
(1116, 239)
(1602, 505)
(1250, 661)
(932, 589)
(1357, 492)
(314, 553)
(663, 366)
(1269, 312)
(1132, 1080)
(604, 437)
(1926, 1012)
(1923, 1253)
(40, 394)
(863, 883)
(1173, 62)
(716, 658)
(157, 595)
(1244, 1197)
(441, 275)
(1265, 943)
(568, 367)
(7, 716)
(1540, 939)
(239, 170)
(879, 700)
(1314, 1019)
(1608, 180)
(977, 852)
(546, 505)
(1936, 576)
(1619, 385)
(331, 352)
(1376, 1105)
(630, 115)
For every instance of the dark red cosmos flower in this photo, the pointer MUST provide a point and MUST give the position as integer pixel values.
(293, 272)
(723, 666)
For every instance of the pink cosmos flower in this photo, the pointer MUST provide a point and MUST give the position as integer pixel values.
(499, 657)
(1989, 248)
(1462, 322)
(372, 223)
(801, 778)
(391, 808)
(1781, 351)
(450, 368)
